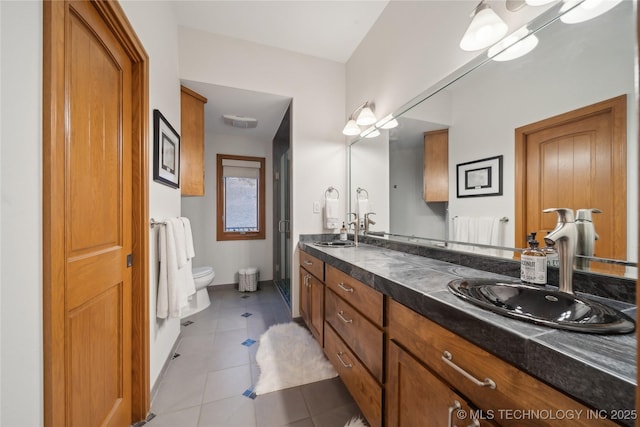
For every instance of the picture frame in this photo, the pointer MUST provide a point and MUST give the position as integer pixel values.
(166, 152)
(479, 178)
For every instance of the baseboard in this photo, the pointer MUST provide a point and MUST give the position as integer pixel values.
(163, 371)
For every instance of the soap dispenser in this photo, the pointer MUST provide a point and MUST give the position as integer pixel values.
(343, 233)
(533, 263)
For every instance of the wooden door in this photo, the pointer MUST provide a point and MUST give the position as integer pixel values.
(93, 106)
(576, 160)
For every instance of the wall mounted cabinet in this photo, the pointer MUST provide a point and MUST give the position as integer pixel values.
(436, 166)
(191, 142)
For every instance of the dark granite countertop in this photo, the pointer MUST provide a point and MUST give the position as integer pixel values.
(599, 370)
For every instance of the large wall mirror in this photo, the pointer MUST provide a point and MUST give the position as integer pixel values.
(482, 105)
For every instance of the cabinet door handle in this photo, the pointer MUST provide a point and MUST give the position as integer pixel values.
(307, 262)
(346, 365)
(344, 288)
(341, 316)
(456, 405)
(448, 359)
(474, 423)
(308, 280)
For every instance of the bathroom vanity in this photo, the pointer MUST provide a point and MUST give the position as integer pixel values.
(412, 353)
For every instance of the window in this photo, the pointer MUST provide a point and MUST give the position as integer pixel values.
(240, 198)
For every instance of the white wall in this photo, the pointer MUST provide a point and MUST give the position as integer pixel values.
(158, 33)
(21, 173)
(317, 87)
(227, 257)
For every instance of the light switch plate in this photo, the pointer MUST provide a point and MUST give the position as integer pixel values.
(316, 207)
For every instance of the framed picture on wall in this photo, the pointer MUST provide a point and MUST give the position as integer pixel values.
(480, 177)
(166, 152)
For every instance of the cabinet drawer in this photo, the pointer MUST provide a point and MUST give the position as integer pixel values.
(365, 299)
(312, 264)
(363, 387)
(514, 390)
(363, 337)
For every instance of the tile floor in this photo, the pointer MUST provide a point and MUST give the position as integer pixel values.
(205, 385)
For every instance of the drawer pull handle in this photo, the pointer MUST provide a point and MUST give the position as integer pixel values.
(488, 382)
(344, 288)
(307, 262)
(456, 405)
(474, 423)
(341, 316)
(346, 365)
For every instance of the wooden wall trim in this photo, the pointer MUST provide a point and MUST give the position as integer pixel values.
(53, 227)
(53, 231)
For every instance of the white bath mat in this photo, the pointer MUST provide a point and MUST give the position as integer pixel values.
(355, 422)
(289, 356)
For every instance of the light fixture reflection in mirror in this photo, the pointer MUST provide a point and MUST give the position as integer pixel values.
(586, 10)
(513, 46)
(485, 29)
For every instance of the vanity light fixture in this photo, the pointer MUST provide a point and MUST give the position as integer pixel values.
(586, 10)
(515, 45)
(366, 116)
(361, 116)
(485, 29)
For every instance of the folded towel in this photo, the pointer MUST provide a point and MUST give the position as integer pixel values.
(331, 213)
(363, 207)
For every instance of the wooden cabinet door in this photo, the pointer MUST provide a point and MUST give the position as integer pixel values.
(417, 398)
(316, 309)
(436, 166)
(304, 295)
(191, 142)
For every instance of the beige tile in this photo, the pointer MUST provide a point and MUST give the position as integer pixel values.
(176, 394)
(323, 396)
(227, 383)
(233, 412)
(184, 418)
(280, 408)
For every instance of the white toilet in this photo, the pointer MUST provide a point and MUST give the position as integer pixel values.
(202, 276)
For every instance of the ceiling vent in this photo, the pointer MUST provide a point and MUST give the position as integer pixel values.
(240, 122)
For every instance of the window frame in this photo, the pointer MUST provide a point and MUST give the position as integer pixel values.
(221, 234)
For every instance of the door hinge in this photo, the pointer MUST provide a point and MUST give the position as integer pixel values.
(129, 260)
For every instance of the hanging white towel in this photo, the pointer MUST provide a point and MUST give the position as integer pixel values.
(175, 283)
(363, 207)
(331, 213)
(188, 237)
(482, 230)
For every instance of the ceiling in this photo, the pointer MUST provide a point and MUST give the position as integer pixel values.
(326, 29)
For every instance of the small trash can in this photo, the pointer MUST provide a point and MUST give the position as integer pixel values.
(248, 279)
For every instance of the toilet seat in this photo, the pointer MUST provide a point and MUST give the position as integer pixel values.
(200, 272)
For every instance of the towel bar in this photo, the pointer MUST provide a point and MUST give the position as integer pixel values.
(156, 223)
(503, 219)
(330, 190)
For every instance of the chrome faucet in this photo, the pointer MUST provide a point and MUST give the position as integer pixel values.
(356, 226)
(368, 221)
(566, 236)
(587, 236)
